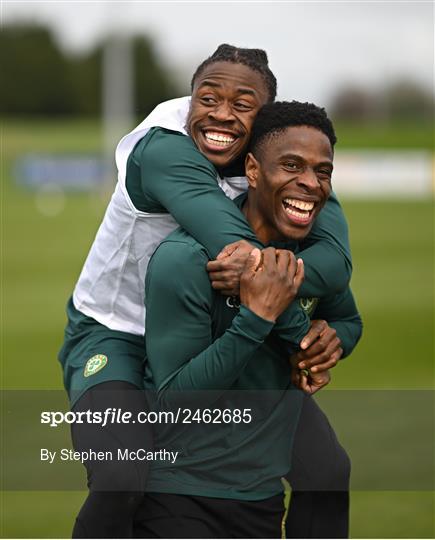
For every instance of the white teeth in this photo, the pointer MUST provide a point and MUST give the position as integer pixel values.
(296, 214)
(302, 205)
(223, 140)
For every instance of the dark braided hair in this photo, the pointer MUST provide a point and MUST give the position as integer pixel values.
(274, 118)
(256, 59)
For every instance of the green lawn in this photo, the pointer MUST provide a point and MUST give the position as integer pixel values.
(392, 246)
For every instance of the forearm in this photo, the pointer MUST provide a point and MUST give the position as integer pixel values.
(341, 313)
(349, 332)
(214, 370)
(291, 326)
(217, 223)
(327, 270)
(176, 176)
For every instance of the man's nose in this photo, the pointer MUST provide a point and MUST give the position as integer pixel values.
(308, 179)
(222, 112)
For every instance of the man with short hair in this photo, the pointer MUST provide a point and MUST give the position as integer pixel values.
(207, 353)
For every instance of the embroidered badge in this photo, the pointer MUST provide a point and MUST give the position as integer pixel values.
(308, 304)
(95, 364)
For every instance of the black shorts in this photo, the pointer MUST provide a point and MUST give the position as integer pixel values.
(164, 515)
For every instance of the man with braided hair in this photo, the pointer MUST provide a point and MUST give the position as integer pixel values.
(181, 165)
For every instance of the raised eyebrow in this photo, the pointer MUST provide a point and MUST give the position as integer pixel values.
(240, 90)
(248, 91)
(292, 156)
(210, 83)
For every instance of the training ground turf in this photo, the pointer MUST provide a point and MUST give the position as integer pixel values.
(392, 246)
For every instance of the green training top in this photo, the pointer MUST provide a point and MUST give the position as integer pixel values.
(167, 173)
(203, 352)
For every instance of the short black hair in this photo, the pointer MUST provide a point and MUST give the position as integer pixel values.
(256, 59)
(274, 118)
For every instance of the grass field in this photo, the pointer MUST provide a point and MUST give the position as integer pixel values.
(392, 246)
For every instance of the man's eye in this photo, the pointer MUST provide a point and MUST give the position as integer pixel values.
(291, 165)
(243, 106)
(208, 100)
(324, 174)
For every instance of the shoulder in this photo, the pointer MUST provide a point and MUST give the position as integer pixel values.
(182, 246)
(164, 148)
(333, 200)
(332, 213)
(178, 258)
(177, 275)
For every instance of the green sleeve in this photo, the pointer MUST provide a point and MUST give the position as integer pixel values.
(292, 326)
(326, 253)
(341, 313)
(176, 175)
(180, 351)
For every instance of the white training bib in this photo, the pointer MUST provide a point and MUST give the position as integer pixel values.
(111, 286)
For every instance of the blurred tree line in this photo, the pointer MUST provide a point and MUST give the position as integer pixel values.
(40, 79)
(400, 100)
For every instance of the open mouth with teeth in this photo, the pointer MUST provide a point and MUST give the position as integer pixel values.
(299, 211)
(219, 140)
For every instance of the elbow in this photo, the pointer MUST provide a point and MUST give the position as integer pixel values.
(344, 274)
(348, 268)
(337, 277)
(355, 334)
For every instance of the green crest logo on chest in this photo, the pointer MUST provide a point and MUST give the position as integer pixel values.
(95, 364)
(308, 304)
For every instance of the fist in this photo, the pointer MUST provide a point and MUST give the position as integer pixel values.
(309, 382)
(270, 282)
(225, 272)
(321, 348)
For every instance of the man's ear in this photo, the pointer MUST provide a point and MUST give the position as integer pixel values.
(251, 169)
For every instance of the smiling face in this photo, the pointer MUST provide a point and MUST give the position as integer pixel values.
(289, 183)
(225, 100)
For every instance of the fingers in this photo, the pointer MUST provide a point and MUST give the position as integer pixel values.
(303, 383)
(299, 275)
(253, 262)
(332, 354)
(330, 363)
(317, 327)
(325, 345)
(295, 377)
(320, 381)
(256, 258)
(225, 272)
(216, 266)
(311, 384)
(269, 258)
(290, 267)
(287, 264)
(228, 250)
(224, 275)
(283, 259)
(321, 349)
(321, 352)
(294, 360)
